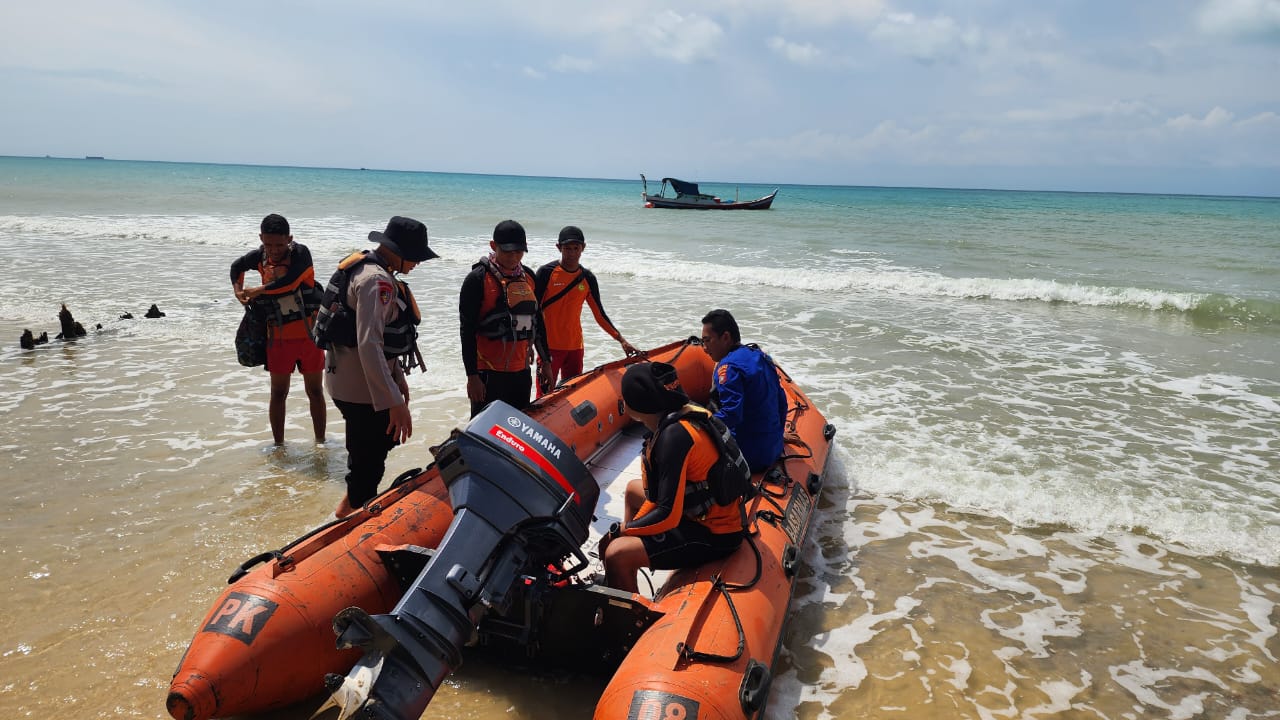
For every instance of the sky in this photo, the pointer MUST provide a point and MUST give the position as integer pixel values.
(1177, 96)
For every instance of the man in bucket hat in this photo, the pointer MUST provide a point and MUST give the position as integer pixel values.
(368, 323)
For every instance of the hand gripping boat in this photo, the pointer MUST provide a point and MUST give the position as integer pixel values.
(404, 595)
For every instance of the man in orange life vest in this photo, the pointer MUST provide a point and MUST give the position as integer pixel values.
(670, 522)
(500, 323)
(563, 286)
(288, 280)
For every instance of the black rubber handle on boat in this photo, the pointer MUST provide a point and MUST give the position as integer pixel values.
(247, 564)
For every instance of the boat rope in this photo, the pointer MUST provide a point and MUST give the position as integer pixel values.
(791, 436)
(772, 487)
(648, 580)
(688, 653)
(725, 588)
(692, 340)
(759, 568)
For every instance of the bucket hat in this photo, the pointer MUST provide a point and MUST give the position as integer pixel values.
(405, 237)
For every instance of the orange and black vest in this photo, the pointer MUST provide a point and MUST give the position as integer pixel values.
(287, 310)
(507, 323)
(715, 481)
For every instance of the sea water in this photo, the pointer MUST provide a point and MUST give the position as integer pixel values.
(1056, 484)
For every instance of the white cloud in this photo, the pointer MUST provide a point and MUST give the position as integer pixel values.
(532, 73)
(146, 48)
(1247, 19)
(887, 140)
(827, 12)
(1263, 119)
(682, 38)
(800, 54)
(1066, 111)
(568, 64)
(1216, 117)
(928, 40)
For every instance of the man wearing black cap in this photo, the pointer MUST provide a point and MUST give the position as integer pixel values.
(563, 286)
(500, 323)
(368, 323)
(674, 518)
(286, 302)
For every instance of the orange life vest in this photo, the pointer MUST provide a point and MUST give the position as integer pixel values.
(507, 326)
(717, 480)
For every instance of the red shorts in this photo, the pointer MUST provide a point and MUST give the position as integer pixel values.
(284, 355)
(564, 365)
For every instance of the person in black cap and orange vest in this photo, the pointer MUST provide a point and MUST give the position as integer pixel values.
(368, 322)
(674, 514)
(563, 286)
(500, 323)
(285, 298)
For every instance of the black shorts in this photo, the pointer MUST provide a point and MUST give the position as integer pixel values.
(688, 545)
(513, 388)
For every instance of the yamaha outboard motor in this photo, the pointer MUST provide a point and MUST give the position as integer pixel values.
(521, 500)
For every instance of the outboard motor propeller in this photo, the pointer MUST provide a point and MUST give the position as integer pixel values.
(521, 500)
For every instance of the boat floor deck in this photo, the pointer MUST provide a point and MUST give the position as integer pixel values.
(613, 466)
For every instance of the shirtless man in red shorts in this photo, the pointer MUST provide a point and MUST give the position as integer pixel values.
(288, 298)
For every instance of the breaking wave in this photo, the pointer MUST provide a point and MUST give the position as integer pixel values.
(1204, 308)
(336, 235)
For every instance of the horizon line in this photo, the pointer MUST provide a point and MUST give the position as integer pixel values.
(101, 158)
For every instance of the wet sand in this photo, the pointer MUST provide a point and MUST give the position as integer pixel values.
(920, 611)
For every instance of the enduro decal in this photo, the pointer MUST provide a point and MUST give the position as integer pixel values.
(658, 705)
(241, 616)
(526, 449)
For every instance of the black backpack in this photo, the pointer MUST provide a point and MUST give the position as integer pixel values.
(251, 338)
(335, 320)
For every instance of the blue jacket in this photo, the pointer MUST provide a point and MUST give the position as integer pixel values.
(751, 402)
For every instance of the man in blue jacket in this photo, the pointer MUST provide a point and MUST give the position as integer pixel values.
(746, 394)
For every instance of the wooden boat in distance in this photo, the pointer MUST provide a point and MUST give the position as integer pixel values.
(688, 197)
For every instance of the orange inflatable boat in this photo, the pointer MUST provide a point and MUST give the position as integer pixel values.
(701, 646)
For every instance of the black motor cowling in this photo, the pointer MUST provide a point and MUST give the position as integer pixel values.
(521, 500)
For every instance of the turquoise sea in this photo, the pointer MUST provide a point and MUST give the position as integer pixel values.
(1057, 485)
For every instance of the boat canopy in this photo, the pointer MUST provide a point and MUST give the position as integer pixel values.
(682, 187)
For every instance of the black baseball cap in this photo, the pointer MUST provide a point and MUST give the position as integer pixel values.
(571, 234)
(509, 235)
